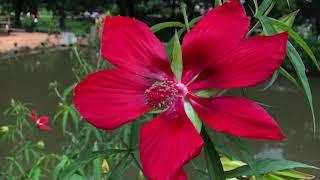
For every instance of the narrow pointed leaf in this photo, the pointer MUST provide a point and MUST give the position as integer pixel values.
(176, 63)
(271, 81)
(117, 172)
(297, 63)
(212, 158)
(297, 38)
(264, 6)
(207, 93)
(193, 116)
(289, 18)
(266, 166)
(75, 165)
(164, 25)
(287, 75)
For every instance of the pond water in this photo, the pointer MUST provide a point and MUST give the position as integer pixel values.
(26, 79)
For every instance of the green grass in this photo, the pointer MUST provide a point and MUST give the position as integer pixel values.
(50, 24)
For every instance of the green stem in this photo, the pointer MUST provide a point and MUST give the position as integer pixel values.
(136, 161)
(185, 16)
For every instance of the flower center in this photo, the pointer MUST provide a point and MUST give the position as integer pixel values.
(163, 93)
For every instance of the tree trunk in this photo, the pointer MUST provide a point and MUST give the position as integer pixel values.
(17, 11)
(62, 17)
(122, 5)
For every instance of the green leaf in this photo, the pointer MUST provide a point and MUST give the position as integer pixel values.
(272, 81)
(294, 174)
(217, 3)
(117, 172)
(289, 18)
(264, 6)
(256, 6)
(176, 63)
(286, 74)
(212, 158)
(193, 116)
(78, 177)
(300, 70)
(59, 167)
(134, 133)
(246, 154)
(207, 93)
(185, 16)
(266, 166)
(65, 121)
(36, 173)
(68, 90)
(298, 65)
(297, 38)
(75, 165)
(157, 27)
(180, 32)
(96, 168)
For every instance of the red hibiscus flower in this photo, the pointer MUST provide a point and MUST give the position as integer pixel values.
(41, 121)
(215, 51)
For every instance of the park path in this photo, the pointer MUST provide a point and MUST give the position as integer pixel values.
(18, 40)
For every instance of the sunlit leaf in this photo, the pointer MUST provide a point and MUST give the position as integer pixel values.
(294, 174)
(289, 18)
(266, 166)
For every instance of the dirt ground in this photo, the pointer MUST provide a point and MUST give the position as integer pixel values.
(19, 40)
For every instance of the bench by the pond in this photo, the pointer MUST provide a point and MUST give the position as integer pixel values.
(5, 24)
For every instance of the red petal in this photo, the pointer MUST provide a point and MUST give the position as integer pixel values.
(237, 116)
(110, 98)
(167, 143)
(217, 33)
(43, 119)
(253, 62)
(44, 127)
(131, 45)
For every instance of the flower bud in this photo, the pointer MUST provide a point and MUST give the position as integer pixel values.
(41, 144)
(4, 129)
(105, 166)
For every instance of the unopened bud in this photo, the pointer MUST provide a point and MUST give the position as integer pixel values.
(105, 166)
(41, 144)
(4, 129)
